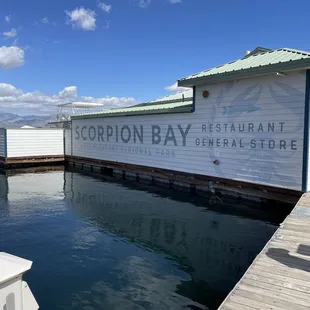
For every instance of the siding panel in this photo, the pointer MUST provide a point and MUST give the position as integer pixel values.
(308, 180)
(34, 142)
(267, 151)
(67, 134)
(2, 142)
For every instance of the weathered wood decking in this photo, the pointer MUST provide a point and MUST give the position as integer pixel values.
(12, 162)
(279, 278)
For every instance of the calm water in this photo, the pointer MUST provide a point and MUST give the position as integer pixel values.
(98, 244)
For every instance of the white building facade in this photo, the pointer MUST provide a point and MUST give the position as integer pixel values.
(240, 126)
(19, 145)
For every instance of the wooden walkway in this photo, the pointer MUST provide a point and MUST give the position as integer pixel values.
(279, 278)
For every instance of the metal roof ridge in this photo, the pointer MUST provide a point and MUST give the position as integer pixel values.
(206, 70)
(259, 59)
(292, 50)
(167, 96)
(155, 106)
(180, 107)
(259, 50)
(170, 101)
(250, 56)
(231, 62)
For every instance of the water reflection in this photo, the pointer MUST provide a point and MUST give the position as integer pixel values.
(99, 244)
(137, 284)
(214, 248)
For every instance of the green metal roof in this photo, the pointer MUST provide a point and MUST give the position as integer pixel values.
(176, 103)
(186, 95)
(258, 62)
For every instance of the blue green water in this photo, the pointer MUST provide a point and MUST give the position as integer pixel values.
(101, 244)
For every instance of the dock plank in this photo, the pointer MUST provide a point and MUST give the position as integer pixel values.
(262, 290)
(302, 236)
(279, 277)
(260, 296)
(277, 268)
(278, 289)
(297, 228)
(236, 306)
(288, 237)
(274, 280)
(247, 301)
(296, 219)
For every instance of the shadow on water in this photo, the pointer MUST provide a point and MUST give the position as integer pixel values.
(271, 211)
(112, 243)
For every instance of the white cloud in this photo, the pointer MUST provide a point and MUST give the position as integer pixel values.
(82, 18)
(7, 18)
(68, 92)
(175, 88)
(175, 1)
(105, 7)
(45, 20)
(144, 3)
(52, 41)
(10, 34)
(8, 90)
(141, 3)
(11, 57)
(16, 101)
(107, 24)
(110, 102)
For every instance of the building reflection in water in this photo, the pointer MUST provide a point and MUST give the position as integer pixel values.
(110, 243)
(212, 247)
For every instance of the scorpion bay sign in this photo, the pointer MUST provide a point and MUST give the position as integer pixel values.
(214, 135)
(133, 134)
(261, 136)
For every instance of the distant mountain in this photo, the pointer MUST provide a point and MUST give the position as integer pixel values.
(14, 120)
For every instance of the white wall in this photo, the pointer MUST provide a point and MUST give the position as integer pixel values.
(34, 142)
(253, 103)
(2, 142)
(67, 134)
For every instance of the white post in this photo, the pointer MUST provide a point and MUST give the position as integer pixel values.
(14, 292)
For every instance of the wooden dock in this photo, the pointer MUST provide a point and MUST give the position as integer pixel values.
(30, 161)
(279, 277)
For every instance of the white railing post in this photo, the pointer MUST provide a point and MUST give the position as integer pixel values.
(14, 292)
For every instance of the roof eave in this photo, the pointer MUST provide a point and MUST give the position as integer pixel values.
(184, 109)
(154, 103)
(245, 73)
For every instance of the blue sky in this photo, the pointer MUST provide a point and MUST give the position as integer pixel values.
(128, 51)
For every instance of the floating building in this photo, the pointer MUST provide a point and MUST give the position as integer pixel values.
(29, 146)
(242, 126)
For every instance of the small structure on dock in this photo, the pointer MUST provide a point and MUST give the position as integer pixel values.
(65, 110)
(242, 127)
(30, 146)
